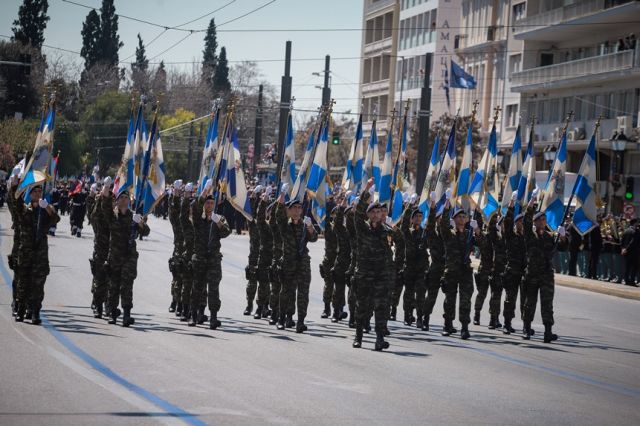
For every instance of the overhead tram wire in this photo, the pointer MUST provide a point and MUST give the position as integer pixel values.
(246, 14)
(172, 46)
(145, 45)
(207, 14)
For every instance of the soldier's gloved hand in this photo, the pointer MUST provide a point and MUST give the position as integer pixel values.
(405, 197)
(257, 189)
(413, 198)
(534, 194)
(215, 217)
(388, 221)
(43, 203)
(474, 224)
(207, 186)
(533, 228)
(348, 194)
(267, 191)
(137, 218)
(514, 195)
(448, 193)
(498, 227)
(177, 184)
(189, 186)
(452, 223)
(285, 188)
(562, 231)
(307, 221)
(433, 196)
(107, 181)
(372, 190)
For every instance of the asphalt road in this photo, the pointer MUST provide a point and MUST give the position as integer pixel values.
(79, 370)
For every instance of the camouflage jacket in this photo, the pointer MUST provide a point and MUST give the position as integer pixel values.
(174, 219)
(499, 244)
(207, 235)
(187, 227)
(266, 238)
(33, 225)
(100, 226)
(122, 232)
(516, 245)
(540, 248)
(275, 235)
(434, 241)
(457, 245)
(343, 257)
(372, 242)
(350, 224)
(295, 237)
(397, 238)
(330, 245)
(485, 246)
(415, 243)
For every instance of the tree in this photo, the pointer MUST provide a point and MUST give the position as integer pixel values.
(159, 84)
(90, 51)
(209, 55)
(17, 137)
(19, 84)
(139, 68)
(32, 20)
(221, 84)
(109, 41)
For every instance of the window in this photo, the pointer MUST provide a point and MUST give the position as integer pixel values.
(366, 77)
(519, 11)
(515, 63)
(512, 115)
(546, 59)
(554, 111)
(369, 33)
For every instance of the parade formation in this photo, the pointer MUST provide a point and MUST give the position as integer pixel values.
(382, 244)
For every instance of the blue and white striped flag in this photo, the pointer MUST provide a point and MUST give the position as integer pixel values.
(383, 190)
(288, 173)
(300, 186)
(210, 152)
(319, 204)
(126, 173)
(397, 183)
(430, 180)
(352, 179)
(154, 190)
(371, 167)
(140, 145)
(485, 186)
(528, 179)
(319, 167)
(37, 170)
(461, 194)
(446, 175)
(585, 217)
(515, 171)
(236, 187)
(553, 201)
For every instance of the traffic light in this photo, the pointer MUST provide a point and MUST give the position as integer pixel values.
(335, 140)
(628, 193)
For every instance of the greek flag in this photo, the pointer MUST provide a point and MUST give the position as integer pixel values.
(371, 167)
(126, 173)
(430, 180)
(288, 173)
(300, 186)
(352, 179)
(319, 167)
(53, 176)
(585, 217)
(446, 175)
(236, 188)
(553, 201)
(140, 145)
(461, 194)
(210, 152)
(37, 170)
(398, 171)
(528, 179)
(319, 204)
(384, 189)
(154, 190)
(515, 171)
(485, 187)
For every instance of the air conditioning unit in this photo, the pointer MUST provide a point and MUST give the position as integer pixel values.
(624, 124)
(571, 136)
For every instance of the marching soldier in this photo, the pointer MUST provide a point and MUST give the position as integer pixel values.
(436, 269)
(12, 204)
(341, 264)
(275, 275)
(124, 227)
(397, 238)
(175, 262)
(330, 253)
(98, 263)
(483, 276)
(516, 261)
(458, 273)
(415, 265)
(34, 220)
(350, 224)
(78, 211)
(209, 228)
(539, 275)
(296, 232)
(372, 291)
(499, 245)
(265, 254)
(251, 270)
(187, 253)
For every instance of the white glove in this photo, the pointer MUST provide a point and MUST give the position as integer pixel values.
(474, 224)
(413, 198)
(107, 181)
(452, 223)
(94, 187)
(388, 221)
(189, 186)
(207, 186)
(170, 191)
(533, 228)
(43, 203)
(307, 221)
(177, 184)
(534, 194)
(16, 171)
(448, 193)
(433, 196)
(348, 194)
(137, 218)
(372, 190)
(215, 217)
(258, 188)
(514, 195)
(405, 197)
(499, 233)
(268, 190)
(285, 188)
(562, 231)
(498, 227)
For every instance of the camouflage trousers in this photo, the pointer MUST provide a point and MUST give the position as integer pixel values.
(274, 295)
(16, 275)
(30, 286)
(186, 275)
(397, 288)
(511, 281)
(543, 283)
(351, 293)
(372, 295)
(433, 278)
(207, 275)
(121, 277)
(175, 267)
(100, 282)
(482, 287)
(251, 274)
(296, 279)
(340, 280)
(452, 282)
(264, 285)
(414, 292)
(329, 281)
(495, 284)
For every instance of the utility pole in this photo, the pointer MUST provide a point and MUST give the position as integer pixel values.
(285, 100)
(424, 116)
(257, 138)
(200, 145)
(190, 154)
(326, 90)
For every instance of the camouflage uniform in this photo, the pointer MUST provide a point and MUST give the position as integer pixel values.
(483, 275)
(275, 270)
(296, 264)
(499, 245)
(458, 273)
(251, 270)
(91, 200)
(516, 261)
(350, 274)
(12, 204)
(415, 267)
(123, 256)
(186, 255)
(330, 252)
(436, 269)
(398, 259)
(341, 264)
(265, 258)
(99, 267)
(176, 263)
(32, 259)
(206, 260)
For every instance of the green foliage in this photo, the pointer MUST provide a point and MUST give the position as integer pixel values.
(209, 54)
(31, 23)
(70, 144)
(141, 63)
(175, 144)
(18, 91)
(221, 84)
(17, 137)
(109, 42)
(91, 40)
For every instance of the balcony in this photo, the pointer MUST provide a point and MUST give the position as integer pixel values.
(468, 43)
(552, 25)
(374, 6)
(579, 72)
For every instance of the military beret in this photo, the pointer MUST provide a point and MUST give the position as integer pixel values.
(383, 206)
(519, 217)
(373, 206)
(335, 209)
(125, 193)
(415, 212)
(458, 211)
(209, 197)
(33, 188)
(538, 215)
(292, 203)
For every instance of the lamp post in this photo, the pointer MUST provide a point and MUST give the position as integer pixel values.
(618, 146)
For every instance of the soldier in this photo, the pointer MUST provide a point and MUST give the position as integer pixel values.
(124, 226)
(436, 269)
(98, 262)
(32, 262)
(372, 264)
(12, 204)
(330, 252)
(275, 275)
(499, 245)
(539, 275)
(349, 276)
(265, 254)
(251, 270)
(64, 200)
(482, 277)
(343, 258)
(296, 263)
(416, 263)
(78, 211)
(175, 262)
(458, 274)
(209, 228)
(397, 238)
(91, 199)
(516, 261)
(187, 253)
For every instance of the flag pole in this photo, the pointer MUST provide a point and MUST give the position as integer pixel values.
(564, 131)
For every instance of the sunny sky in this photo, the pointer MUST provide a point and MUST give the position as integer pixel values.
(267, 48)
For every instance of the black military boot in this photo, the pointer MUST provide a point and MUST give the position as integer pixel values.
(266, 313)
(290, 323)
(202, 318)
(446, 329)
(172, 306)
(492, 323)
(386, 331)
(20, 312)
(498, 325)
(35, 316)
(367, 326)
(327, 311)
(214, 323)
(476, 318)
(548, 334)
(258, 313)
(343, 314)
(300, 327)
(194, 317)
(336, 315)
(407, 318)
(97, 312)
(352, 320)
(185, 314)
(425, 323)
(357, 342)
(179, 309)
(248, 309)
(281, 322)
(126, 318)
(464, 332)
(380, 342)
(29, 313)
(526, 330)
(394, 312)
(274, 318)
(507, 327)
(419, 322)
(114, 316)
